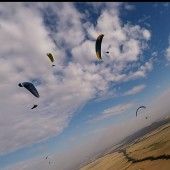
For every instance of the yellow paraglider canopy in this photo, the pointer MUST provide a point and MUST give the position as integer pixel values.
(98, 46)
(51, 57)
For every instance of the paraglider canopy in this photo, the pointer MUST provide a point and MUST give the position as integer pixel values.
(30, 87)
(139, 108)
(98, 46)
(35, 105)
(50, 56)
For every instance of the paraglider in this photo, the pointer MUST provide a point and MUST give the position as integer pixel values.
(30, 87)
(35, 105)
(98, 46)
(107, 52)
(51, 58)
(139, 108)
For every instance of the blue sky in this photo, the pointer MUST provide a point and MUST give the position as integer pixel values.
(82, 100)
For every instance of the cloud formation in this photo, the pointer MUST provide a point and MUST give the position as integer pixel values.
(115, 110)
(30, 30)
(157, 109)
(135, 90)
(167, 51)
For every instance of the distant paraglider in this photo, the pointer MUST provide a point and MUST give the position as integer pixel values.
(51, 58)
(139, 108)
(107, 52)
(46, 158)
(30, 87)
(98, 46)
(35, 105)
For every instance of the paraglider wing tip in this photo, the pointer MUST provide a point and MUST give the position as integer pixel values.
(20, 85)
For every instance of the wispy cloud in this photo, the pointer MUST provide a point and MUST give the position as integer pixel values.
(155, 54)
(129, 7)
(135, 90)
(167, 51)
(144, 19)
(142, 71)
(155, 5)
(115, 110)
(166, 4)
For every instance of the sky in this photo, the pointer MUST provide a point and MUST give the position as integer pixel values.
(85, 105)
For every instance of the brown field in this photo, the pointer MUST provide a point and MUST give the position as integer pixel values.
(142, 154)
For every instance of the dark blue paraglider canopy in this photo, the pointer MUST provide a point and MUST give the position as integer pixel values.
(29, 86)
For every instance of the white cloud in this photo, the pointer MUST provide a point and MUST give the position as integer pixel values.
(115, 110)
(25, 43)
(76, 78)
(129, 7)
(146, 34)
(135, 90)
(71, 33)
(155, 54)
(166, 4)
(144, 19)
(167, 51)
(141, 72)
(155, 5)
